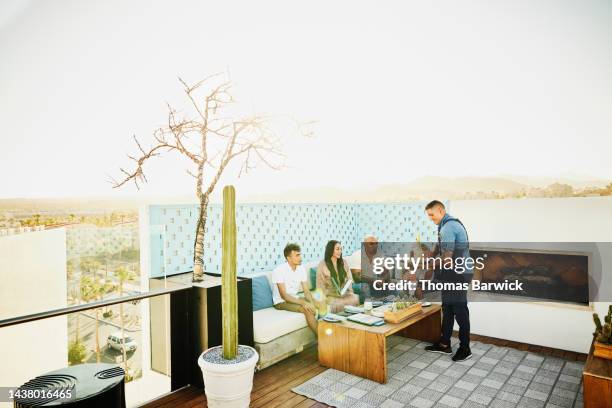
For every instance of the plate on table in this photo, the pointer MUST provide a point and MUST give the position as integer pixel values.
(353, 309)
(331, 319)
(425, 304)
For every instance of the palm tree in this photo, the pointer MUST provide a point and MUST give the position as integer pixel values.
(75, 292)
(91, 290)
(90, 266)
(107, 287)
(70, 268)
(123, 275)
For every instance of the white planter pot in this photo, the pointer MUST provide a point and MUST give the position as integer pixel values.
(228, 385)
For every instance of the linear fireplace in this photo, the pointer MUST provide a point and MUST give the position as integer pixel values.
(546, 276)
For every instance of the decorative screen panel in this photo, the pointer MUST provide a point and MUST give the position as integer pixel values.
(263, 230)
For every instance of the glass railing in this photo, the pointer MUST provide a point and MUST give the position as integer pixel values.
(134, 332)
(56, 259)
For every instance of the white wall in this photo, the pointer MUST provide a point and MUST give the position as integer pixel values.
(33, 276)
(545, 220)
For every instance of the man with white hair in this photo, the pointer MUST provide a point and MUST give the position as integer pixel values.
(361, 264)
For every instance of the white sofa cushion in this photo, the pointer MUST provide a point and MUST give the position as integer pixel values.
(269, 324)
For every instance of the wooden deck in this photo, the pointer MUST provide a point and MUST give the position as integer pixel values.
(272, 386)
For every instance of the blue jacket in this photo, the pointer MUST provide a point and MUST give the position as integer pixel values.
(452, 236)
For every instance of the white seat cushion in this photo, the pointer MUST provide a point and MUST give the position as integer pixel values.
(269, 324)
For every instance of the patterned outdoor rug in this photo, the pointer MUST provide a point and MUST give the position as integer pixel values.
(493, 377)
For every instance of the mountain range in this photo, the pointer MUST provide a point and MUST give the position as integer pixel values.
(427, 187)
(422, 188)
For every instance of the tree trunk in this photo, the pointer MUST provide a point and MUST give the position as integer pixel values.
(121, 323)
(97, 335)
(198, 250)
(76, 331)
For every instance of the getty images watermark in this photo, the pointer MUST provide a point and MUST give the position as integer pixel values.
(459, 265)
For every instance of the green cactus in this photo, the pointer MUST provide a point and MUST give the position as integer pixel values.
(229, 284)
(605, 336)
(603, 332)
(607, 331)
(597, 322)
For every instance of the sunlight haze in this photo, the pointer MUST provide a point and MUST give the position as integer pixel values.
(398, 90)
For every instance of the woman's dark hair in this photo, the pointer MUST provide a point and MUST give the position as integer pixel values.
(340, 274)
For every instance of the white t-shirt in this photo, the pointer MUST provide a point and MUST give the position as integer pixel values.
(292, 280)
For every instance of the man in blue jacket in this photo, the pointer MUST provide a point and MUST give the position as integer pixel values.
(453, 243)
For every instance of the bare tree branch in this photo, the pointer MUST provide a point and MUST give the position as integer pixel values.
(210, 138)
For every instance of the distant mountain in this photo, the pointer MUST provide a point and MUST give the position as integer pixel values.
(423, 188)
(574, 180)
(465, 184)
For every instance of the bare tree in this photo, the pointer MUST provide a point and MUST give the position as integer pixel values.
(210, 137)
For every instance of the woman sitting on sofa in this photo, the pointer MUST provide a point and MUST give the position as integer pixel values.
(333, 273)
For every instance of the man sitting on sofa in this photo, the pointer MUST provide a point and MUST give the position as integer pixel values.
(362, 265)
(289, 278)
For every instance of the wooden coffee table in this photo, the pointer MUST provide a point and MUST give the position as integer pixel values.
(361, 350)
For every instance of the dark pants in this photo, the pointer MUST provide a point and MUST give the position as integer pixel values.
(454, 307)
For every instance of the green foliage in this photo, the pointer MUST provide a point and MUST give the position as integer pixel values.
(403, 303)
(603, 333)
(76, 352)
(91, 289)
(127, 255)
(90, 266)
(229, 285)
(123, 274)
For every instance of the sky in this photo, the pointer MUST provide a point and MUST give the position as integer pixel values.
(398, 89)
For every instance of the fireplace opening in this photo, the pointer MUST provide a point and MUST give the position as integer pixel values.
(546, 276)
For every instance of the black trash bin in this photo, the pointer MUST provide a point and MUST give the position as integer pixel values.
(92, 385)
